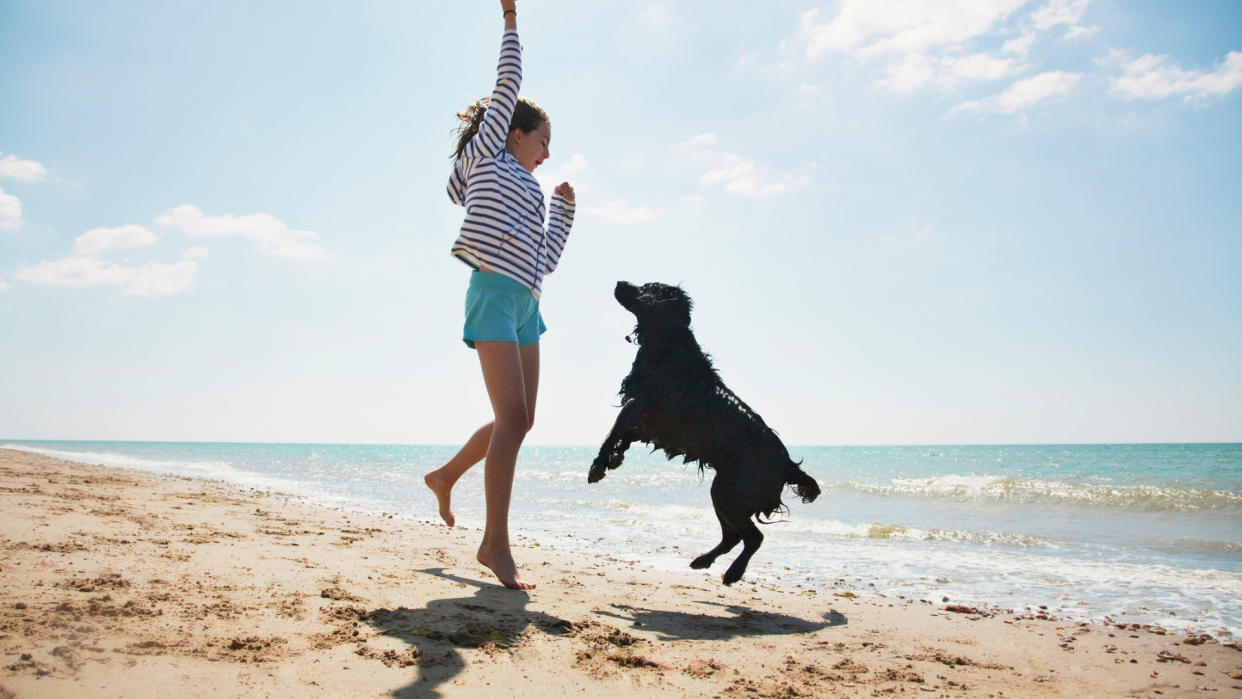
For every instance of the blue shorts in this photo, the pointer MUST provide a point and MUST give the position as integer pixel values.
(500, 309)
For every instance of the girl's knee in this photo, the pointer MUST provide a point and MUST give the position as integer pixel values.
(517, 422)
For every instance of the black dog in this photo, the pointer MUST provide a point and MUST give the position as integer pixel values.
(674, 400)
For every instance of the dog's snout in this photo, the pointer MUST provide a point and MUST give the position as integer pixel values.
(625, 292)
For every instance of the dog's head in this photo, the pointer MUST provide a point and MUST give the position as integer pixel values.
(657, 306)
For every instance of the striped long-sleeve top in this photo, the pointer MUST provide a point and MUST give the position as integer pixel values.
(504, 226)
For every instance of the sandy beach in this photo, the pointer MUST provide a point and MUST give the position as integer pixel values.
(118, 583)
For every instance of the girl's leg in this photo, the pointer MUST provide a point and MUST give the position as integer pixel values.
(505, 368)
(530, 377)
(442, 480)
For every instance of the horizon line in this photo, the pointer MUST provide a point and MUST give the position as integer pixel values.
(4, 440)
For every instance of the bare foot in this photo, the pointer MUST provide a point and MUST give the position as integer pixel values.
(443, 492)
(504, 568)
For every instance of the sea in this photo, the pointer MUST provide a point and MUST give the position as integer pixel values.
(1123, 533)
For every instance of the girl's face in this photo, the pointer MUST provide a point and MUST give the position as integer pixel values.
(530, 149)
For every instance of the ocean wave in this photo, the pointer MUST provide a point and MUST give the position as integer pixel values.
(209, 470)
(1031, 490)
(103, 458)
(635, 477)
(893, 532)
(1201, 546)
(668, 518)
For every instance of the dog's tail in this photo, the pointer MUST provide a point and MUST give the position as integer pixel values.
(804, 486)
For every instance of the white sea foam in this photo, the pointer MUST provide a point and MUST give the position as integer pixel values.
(208, 470)
(199, 468)
(619, 478)
(1009, 489)
(893, 532)
(1073, 586)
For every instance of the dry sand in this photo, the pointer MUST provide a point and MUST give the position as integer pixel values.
(116, 583)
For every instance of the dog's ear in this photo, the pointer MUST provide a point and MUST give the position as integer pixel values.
(649, 297)
(685, 299)
(662, 305)
(675, 305)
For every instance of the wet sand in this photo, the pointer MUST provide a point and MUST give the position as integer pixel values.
(114, 582)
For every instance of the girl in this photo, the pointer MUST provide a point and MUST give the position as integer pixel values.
(502, 140)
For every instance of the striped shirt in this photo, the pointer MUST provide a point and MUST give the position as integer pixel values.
(504, 226)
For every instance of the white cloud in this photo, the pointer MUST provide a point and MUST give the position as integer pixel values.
(979, 66)
(914, 71)
(744, 176)
(1154, 77)
(866, 28)
(18, 169)
(910, 73)
(1024, 93)
(694, 200)
(149, 279)
(98, 240)
(10, 212)
(1079, 31)
(616, 210)
(1059, 12)
(3, 286)
(271, 234)
(619, 211)
(918, 44)
(1020, 45)
(938, 44)
(734, 173)
(196, 253)
(86, 268)
(1064, 12)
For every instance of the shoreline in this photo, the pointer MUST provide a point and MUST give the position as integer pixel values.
(116, 581)
(1181, 603)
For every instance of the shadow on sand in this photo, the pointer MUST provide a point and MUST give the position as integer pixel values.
(499, 616)
(493, 614)
(740, 621)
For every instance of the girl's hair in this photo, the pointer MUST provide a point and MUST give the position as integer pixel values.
(527, 116)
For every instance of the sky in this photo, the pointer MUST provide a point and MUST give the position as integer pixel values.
(909, 222)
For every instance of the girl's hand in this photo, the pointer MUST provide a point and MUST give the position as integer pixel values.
(566, 191)
(507, 5)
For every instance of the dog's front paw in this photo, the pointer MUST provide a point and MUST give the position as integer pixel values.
(598, 469)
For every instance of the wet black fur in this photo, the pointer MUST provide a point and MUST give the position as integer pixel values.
(674, 400)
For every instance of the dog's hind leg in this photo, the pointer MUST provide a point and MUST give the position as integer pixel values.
(751, 540)
(624, 433)
(729, 536)
(728, 539)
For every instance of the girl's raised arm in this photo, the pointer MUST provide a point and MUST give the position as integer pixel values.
(509, 7)
(494, 130)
